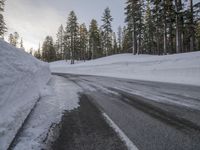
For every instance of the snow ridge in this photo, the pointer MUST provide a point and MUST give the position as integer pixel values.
(178, 68)
(21, 79)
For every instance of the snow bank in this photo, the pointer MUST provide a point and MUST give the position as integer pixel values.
(178, 68)
(21, 79)
(59, 96)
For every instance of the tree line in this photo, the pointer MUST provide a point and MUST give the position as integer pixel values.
(76, 42)
(157, 27)
(162, 26)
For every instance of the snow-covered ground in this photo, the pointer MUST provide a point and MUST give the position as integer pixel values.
(177, 68)
(22, 77)
(60, 95)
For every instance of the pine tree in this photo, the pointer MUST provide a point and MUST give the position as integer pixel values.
(11, 39)
(115, 46)
(148, 30)
(48, 51)
(83, 41)
(119, 39)
(196, 8)
(197, 35)
(59, 47)
(94, 41)
(107, 30)
(134, 22)
(191, 26)
(179, 23)
(3, 28)
(170, 19)
(158, 14)
(127, 40)
(71, 36)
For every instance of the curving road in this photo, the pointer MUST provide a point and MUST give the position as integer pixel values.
(153, 115)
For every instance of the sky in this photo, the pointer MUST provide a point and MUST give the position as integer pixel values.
(35, 19)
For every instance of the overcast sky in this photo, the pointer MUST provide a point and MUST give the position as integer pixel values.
(34, 19)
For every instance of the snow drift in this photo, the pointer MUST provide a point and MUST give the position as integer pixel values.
(21, 79)
(177, 68)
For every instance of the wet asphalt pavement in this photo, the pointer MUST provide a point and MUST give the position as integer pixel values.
(153, 115)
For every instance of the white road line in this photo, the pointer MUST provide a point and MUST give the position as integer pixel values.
(130, 145)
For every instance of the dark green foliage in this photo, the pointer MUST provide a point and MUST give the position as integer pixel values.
(59, 46)
(14, 39)
(71, 37)
(83, 43)
(155, 27)
(3, 28)
(95, 50)
(48, 50)
(107, 32)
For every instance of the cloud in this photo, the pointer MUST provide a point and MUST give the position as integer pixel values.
(31, 20)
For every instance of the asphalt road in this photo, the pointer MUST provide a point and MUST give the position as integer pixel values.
(153, 115)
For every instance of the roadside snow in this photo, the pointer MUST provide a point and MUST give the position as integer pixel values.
(178, 68)
(60, 95)
(21, 79)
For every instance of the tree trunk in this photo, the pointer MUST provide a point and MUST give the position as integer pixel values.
(134, 37)
(178, 31)
(191, 25)
(165, 39)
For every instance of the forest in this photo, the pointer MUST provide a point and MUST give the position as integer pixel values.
(156, 27)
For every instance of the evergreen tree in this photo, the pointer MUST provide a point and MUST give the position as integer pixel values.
(94, 41)
(115, 46)
(59, 47)
(197, 35)
(170, 20)
(179, 25)
(134, 23)
(158, 15)
(11, 39)
(119, 39)
(83, 41)
(71, 36)
(149, 31)
(196, 8)
(48, 51)
(126, 40)
(191, 26)
(3, 28)
(107, 30)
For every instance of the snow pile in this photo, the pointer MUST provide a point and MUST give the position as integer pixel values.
(178, 68)
(59, 96)
(21, 79)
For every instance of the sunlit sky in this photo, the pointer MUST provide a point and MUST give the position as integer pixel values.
(35, 19)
